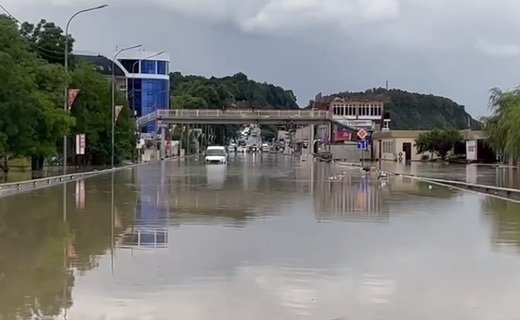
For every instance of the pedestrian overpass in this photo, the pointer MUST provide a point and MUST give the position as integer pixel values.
(166, 117)
(208, 116)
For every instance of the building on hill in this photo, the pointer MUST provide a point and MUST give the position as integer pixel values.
(142, 75)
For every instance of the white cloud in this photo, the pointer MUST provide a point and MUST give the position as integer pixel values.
(258, 16)
(287, 14)
(493, 49)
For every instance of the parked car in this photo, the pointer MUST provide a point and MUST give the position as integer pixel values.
(216, 155)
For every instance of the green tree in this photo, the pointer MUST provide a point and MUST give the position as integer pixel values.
(52, 122)
(18, 112)
(47, 39)
(93, 113)
(228, 92)
(189, 102)
(32, 119)
(438, 141)
(503, 126)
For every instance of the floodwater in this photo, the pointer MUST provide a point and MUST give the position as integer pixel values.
(492, 175)
(265, 237)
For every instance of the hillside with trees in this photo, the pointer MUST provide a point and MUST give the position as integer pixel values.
(416, 111)
(237, 91)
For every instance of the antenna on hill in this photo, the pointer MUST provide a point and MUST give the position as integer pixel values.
(386, 85)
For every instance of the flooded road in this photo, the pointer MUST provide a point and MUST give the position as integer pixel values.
(492, 175)
(262, 238)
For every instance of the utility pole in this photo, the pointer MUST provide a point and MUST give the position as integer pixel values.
(66, 65)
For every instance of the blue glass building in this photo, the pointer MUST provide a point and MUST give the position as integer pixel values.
(148, 82)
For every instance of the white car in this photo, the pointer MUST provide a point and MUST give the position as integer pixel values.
(216, 155)
(241, 149)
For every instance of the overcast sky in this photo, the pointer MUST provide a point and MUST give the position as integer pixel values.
(455, 48)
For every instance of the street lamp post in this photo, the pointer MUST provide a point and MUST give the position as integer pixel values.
(66, 54)
(114, 96)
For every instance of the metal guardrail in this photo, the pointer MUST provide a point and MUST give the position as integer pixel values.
(483, 188)
(233, 115)
(467, 185)
(22, 186)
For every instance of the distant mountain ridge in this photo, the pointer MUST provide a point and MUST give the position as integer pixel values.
(416, 111)
(236, 91)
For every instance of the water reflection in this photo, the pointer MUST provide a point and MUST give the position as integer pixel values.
(342, 193)
(409, 186)
(474, 173)
(150, 226)
(44, 247)
(505, 217)
(351, 198)
(33, 280)
(216, 176)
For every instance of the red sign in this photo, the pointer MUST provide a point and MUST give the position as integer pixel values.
(72, 94)
(342, 135)
(362, 134)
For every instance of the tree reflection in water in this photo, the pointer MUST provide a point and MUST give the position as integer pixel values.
(32, 273)
(505, 216)
(40, 252)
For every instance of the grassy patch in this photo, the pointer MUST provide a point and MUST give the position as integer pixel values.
(19, 163)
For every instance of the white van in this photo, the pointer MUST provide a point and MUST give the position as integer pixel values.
(216, 154)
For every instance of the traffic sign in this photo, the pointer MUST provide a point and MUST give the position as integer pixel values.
(362, 145)
(362, 134)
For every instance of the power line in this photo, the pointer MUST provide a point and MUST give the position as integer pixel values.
(9, 13)
(60, 54)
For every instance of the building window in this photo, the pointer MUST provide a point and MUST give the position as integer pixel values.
(388, 147)
(148, 66)
(161, 67)
(129, 64)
